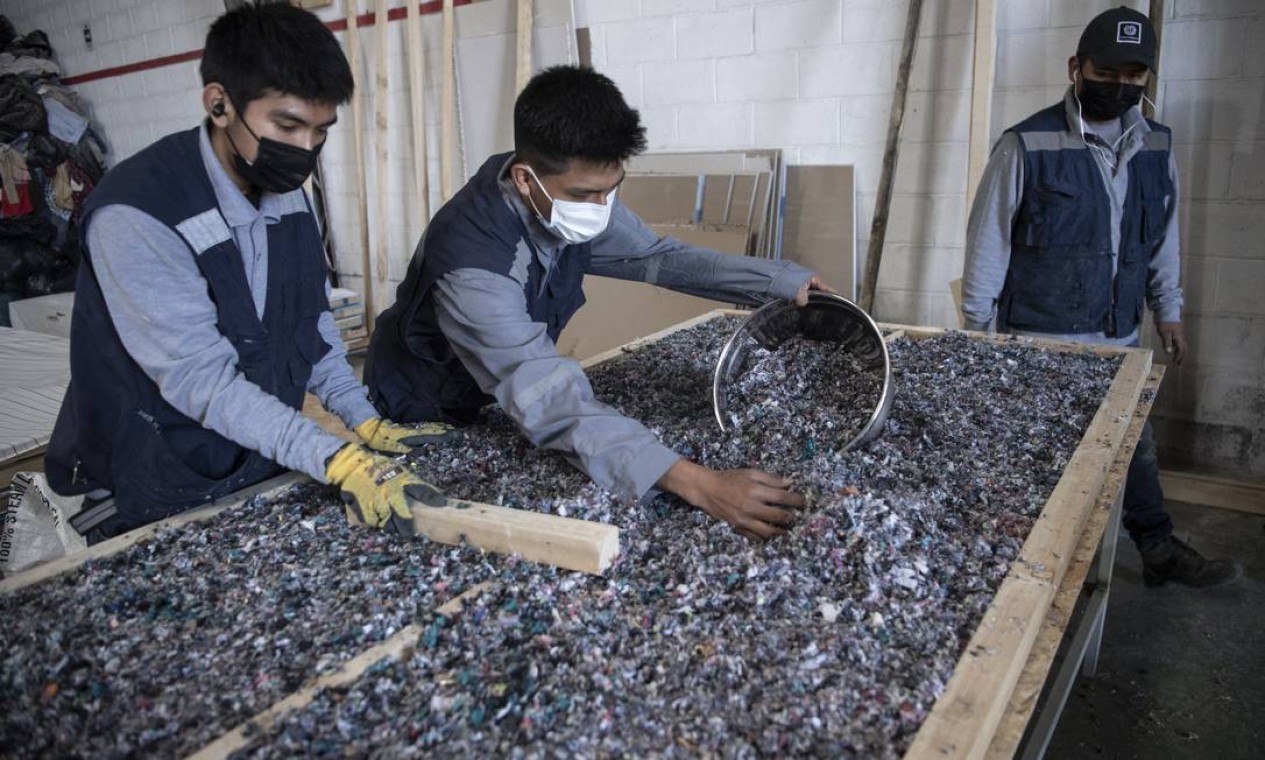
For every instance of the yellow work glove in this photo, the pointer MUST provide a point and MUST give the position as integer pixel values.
(376, 489)
(384, 435)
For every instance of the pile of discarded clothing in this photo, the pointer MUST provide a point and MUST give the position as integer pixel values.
(50, 159)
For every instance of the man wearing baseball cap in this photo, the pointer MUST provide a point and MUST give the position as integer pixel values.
(1074, 231)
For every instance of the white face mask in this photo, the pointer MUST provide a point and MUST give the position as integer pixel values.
(572, 221)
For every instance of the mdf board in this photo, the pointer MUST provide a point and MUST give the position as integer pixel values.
(819, 224)
(619, 311)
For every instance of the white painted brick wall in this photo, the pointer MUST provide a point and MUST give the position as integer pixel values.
(815, 78)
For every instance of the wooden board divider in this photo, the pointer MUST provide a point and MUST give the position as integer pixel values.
(1024, 696)
(124, 541)
(968, 712)
(400, 646)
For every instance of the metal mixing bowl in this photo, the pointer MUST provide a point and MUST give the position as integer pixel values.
(828, 318)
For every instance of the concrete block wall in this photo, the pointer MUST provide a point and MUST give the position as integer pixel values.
(815, 78)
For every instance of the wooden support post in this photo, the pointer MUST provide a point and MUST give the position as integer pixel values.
(523, 62)
(878, 230)
(981, 94)
(589, 547)
(417, 101)
(381, 143)
(1156, 14)
(358, 158)
(448, 108)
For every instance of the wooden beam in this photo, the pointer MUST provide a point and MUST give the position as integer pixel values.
(965, 718)
(358, 159)
(878, 229)
(417, 101)
(1027, 691)
(448, 108)
(381, 143)
(524, 37)
(1213, 492)
(110, 547)
(588, 547)
(398, 647)
(1156, 14)
(981, 94)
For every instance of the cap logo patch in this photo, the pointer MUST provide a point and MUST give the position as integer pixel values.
(1129, 31)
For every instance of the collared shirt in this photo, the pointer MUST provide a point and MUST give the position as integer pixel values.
(997, 203)
(165, 318)
(484, 316)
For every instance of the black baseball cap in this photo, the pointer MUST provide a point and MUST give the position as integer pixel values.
(1120, 35)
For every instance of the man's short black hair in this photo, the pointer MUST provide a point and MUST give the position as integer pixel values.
(573, 112)
(277, 47)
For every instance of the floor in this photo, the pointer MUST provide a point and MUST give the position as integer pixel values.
(1182, 671)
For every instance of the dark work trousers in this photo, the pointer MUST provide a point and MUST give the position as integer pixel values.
(1144, 516)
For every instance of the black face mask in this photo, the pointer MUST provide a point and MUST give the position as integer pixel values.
(1104, 101)
(278, 167)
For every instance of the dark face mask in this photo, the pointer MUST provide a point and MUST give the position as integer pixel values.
(1104, 101)
(278, 167)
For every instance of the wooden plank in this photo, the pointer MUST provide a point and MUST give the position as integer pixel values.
(522, 64)
(878, 228)
(119, 543)
(982, 69)
(381, 144)
(588, 547)
(1156, 13)
(820, 223)
(398, 647)
(448, 107)
(965, 717)
(358, 159)
(651, 338)
(417, 103)
(1027, 691)
(1213, 492)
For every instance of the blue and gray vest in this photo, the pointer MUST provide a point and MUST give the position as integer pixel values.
(114, 430)
(1061, 262)
(412, 372)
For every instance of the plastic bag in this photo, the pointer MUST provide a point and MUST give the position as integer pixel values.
(36, 526)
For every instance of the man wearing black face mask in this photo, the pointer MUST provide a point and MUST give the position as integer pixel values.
(202, 306)
(1074, 229)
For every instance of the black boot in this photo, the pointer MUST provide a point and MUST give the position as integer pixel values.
(1174, 561)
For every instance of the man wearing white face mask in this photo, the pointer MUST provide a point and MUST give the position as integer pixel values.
(498, 275)
(1074, 230)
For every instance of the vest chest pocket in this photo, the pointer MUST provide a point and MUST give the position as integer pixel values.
(1054, 215)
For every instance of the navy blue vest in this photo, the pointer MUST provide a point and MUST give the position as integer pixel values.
(412, 372)
(1060, 278)
(114, 430)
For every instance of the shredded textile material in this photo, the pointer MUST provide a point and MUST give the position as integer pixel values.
(833, 640)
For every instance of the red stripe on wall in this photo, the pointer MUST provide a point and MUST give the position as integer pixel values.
(365, 19)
